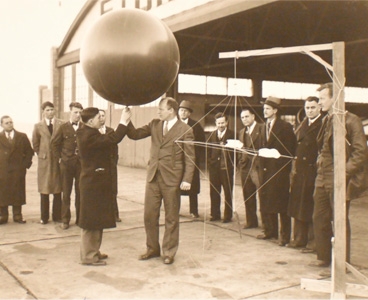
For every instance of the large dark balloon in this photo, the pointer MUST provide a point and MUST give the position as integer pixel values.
(130, 57)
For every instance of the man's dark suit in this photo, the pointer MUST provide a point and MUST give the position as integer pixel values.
(275, 182)
(302, 181)
(15, 159)
(170, 164)
(199, 154)
(221, 169)
(64, 147)
(249, 172)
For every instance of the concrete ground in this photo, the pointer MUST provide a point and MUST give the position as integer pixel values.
(214, 261)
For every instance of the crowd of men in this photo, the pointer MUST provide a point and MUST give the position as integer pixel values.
(83, 153)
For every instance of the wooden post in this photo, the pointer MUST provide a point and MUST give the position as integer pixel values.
(338, 264)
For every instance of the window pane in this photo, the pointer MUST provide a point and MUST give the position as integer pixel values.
(240, 87)
(193, 84)
(81, 84)
(216, 85)
(67, 93)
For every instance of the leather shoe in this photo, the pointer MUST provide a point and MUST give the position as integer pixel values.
(264, 237)
(294, 244)
(194, 216)
(168, 260)
(102, 256)
(282, 243)
(96, 263)
(212, 219)
(247, 226)
(307, 250)
(319, 264)
(65, 226)
(148, 255)
(226, 221)
(43, 222)
(20, 221)
(117, 219)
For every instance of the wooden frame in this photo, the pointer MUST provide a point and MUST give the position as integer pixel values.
(337, 286)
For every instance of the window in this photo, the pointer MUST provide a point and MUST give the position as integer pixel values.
(67, 92)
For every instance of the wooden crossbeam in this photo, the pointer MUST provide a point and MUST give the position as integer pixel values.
(324, 286)
(274, 51)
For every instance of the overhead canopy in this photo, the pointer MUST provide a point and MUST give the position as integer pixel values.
(280, 24)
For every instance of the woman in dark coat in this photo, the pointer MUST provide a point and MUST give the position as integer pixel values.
(97, 202)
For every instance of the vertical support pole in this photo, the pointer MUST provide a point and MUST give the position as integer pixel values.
(339, 248)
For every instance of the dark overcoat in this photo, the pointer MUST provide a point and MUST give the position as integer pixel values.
(97, 202)
(304, 171)
(48, 169)
(114, 158)
(15, 159)
(356, 156)
(275, 173)
(199, 157)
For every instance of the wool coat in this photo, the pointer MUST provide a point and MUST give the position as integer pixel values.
(275, 172)
(356, 156)
(96, 195)
(48, 171)
(304, 171)
(15, 159)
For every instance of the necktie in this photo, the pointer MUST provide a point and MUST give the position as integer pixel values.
(10, 139)
(102, 130)
(50, 127)
(75, 123)
(166, 128)
(268, 130)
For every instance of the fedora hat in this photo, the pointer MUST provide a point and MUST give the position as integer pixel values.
(272, 101)
(186, 104)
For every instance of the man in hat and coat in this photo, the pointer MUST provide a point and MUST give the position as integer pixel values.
(97, 199)
(15, 158)
(185, 110)
(275, 182)
(303, 176)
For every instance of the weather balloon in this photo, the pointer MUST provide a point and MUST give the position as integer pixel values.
(130, 57)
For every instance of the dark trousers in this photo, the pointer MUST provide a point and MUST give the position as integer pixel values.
(56, 207)
(156, 192)
(17, 213)
(193, 203)
(217, 179)
(90, 245)
(70, 173)
(303, 234)
(250, 185)
(271, 226)
(323, 226)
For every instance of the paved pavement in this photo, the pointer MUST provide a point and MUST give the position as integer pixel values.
(214, 261)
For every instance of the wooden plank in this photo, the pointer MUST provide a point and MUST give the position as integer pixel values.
(324, 286)
(338, 274)
(357, 274)
(274, 51)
